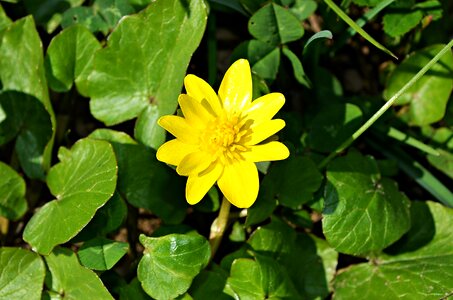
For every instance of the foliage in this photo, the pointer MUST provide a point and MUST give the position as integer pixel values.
(361, 209)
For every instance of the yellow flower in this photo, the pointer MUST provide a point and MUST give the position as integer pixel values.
(219, 138)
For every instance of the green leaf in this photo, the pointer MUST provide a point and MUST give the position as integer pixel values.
(364, 212)
(421, 267)
(309, 261)
(323, 34)
(13, 204)
(143, 181)
(21, 274)
(426, 100)
(275, 25)
(170, 263)
(113, 10)
(400, 19)
(107, 219)
(331, 127)
(26, 118)
(82, 182)
(86, 17)
(264, 58)
(69, 58)
(252, 5)
(443, 162)
(101, 254)
(302, 9)
(22, 70)
(298, 69)
(4, 21)
(72, 281)
(295, 180)
(151, 51)
(209, 284)
(262, 278)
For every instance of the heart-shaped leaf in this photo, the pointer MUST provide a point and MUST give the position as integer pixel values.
(171, 262)
(22, 274)
(363, 211)
(101, 254)
(421, 266)
(82, 182)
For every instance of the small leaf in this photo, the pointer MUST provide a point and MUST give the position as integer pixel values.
(143, 181)
(21, 274)
(443, 162)
(82, 182)
(363, 211)
(72, 281)
(13, 204)
(86, 17)
(275, 25)
(420, 267)
(101, 254)
(170, 263)
(401, 18)
(69, 57)
(302, 9)
(426, 100)
(113, 10)
(209, 284)
(133, 291)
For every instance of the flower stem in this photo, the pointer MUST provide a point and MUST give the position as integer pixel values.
(385, 107)
(218, 226)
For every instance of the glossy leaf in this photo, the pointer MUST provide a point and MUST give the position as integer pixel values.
(364, 212)
(13, 204)
(420, 267)
(22, 70)
(298, 69)
(152, 50)
(426, 100)
(82, 182)
(170, 263)
(275, 25)
(69, 58)
(21, 274)
(262, 278)
(143, 181)
(101, 254)
(70, 279)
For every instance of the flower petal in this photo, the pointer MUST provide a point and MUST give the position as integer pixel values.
(199, 184)
(266, 152)
(193, 111)
(239, 183)
(172, 152)
(265, 107)
(194, 163)
(235, 90)
(199, 89)
(180, 128)
(263, 131)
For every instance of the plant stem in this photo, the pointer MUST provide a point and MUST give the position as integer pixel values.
(385, 107)
(218, 226)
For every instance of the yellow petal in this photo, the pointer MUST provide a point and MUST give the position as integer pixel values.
(239, 183)
(265, 107)
(194, 163)
(235, 90)
(172, 152)
(199, 184)
(266, 152)
(200, 90)
(195, 114)
(263, 131)
(180, 129)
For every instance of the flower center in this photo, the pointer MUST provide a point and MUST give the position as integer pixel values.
(222, 137)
